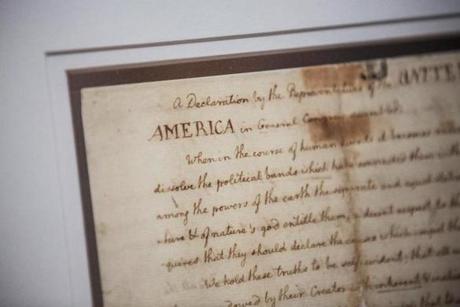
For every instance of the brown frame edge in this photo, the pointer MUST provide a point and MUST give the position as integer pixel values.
(211, 66)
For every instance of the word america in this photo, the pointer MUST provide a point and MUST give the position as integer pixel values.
(192, 129)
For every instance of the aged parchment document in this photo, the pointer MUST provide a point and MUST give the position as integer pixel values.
(333, 185)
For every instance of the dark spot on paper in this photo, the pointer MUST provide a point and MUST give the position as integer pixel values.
(338, 128)
(102, 229)
(375, 71)
(337, 76)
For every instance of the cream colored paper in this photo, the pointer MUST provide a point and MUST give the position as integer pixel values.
(335, 185)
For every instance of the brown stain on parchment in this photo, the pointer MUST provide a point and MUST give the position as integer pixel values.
(341, 128)
(324, 77)
(338, 128)
(355, 297)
